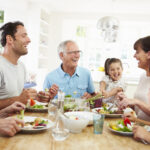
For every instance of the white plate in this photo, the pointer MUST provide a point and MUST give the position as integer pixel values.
(121, 132)
(108, 115)
(86, 115)
(31, 129)
(38, 109)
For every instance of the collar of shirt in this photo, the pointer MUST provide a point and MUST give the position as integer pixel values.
(62, 73)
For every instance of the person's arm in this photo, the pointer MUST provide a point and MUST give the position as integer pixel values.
(46, 96)
(134, 102)
(23, 98)
(9, 126)
(143, 106)
(140, 133)
(102, 86)
(15, 107)
(53, 90)
(113, 92)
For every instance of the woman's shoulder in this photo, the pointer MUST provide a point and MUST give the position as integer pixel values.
(144, 77)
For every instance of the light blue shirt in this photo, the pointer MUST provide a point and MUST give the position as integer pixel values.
(79, 83)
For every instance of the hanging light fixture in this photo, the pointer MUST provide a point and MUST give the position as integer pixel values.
(109, 28)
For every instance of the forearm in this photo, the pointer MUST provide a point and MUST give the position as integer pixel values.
(147, 137)
(3, 113)
(6, 102)
(114, 91)
(143, 106)
(102, 86)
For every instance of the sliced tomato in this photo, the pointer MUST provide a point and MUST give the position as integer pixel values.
(32, 102)
(126, 121)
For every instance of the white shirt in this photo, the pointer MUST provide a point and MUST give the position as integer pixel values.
(142, 94)
(12, 78)
(110, 84)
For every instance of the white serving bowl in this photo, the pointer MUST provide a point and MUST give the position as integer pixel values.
(74, 126)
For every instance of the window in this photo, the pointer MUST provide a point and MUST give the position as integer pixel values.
(96, 51)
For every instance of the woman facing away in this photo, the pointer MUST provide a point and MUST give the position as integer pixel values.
(112, 82)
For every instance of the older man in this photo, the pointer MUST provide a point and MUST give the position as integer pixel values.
(69, 77)
(15, 40)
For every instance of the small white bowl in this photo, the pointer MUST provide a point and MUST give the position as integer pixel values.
(74, 126)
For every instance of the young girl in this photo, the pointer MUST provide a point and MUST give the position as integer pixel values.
(112, 82)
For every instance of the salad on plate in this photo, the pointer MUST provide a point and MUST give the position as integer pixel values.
(123, 127)
(36, 106)
(109, 110)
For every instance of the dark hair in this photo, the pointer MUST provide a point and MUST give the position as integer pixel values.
(144, 43)
(109, 61)
(9, 28)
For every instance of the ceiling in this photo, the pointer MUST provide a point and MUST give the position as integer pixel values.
(92, 6)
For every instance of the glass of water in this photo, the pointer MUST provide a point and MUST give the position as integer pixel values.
(52, 111)
(98, 121)
(60, 134)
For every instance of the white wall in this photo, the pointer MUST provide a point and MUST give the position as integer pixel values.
(57, 22)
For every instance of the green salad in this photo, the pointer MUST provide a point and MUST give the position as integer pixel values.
(122, 125)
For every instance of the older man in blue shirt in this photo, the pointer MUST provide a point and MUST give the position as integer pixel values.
(69, 77)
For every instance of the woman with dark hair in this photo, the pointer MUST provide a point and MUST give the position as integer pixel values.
(140, 102)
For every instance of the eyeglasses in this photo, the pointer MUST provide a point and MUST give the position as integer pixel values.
(74, 52)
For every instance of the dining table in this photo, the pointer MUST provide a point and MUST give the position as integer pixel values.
(86, 140)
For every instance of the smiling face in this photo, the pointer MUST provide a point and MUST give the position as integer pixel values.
(115, 71)
(70, 56)
(143, 58)
(20, 42)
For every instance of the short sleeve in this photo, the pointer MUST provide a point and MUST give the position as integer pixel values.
(105, 78)
(1, 79)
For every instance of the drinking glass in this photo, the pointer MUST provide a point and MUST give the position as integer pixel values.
(82, 105)
(98, 120)
(60, 134)
(52, 111)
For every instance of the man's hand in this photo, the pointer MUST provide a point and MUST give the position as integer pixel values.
(13, 108)
(27, 94)
(9, 126)
(53, 90)
(43, 96)
(86, 95)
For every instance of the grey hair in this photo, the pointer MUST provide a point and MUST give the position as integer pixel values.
(62, 46)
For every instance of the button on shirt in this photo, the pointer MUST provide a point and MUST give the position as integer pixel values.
(75, 85)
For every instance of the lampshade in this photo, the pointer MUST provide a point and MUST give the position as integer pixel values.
(109, 28)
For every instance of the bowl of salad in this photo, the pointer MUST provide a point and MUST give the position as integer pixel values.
(74, 121)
